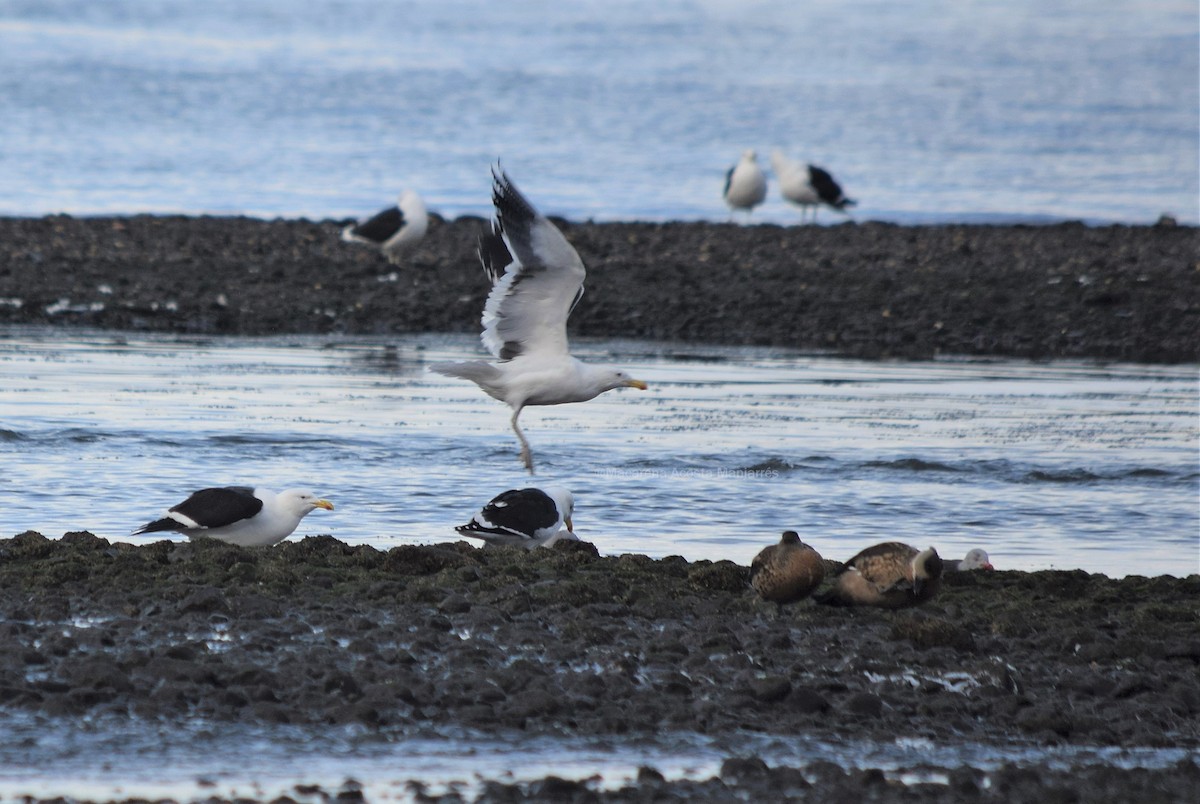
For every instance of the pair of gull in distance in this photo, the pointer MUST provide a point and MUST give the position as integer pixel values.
(537, 279)
(805, 185)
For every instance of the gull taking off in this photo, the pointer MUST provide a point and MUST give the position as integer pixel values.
(537, 278)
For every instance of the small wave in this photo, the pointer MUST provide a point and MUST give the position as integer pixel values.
(10, 435)
(912, 465)
(771, 465)
(79, 435)
(1064, 476)
(784, 465)
(289, 439)
(1079, 475)
(1147, 473)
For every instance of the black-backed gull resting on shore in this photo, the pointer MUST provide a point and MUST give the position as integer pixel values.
(745, 183)
(787, 571)
(976, 559)
(807, 185)
(537, 277)
(890, 575)
(394, 230)
(240, 515)
(528, 518)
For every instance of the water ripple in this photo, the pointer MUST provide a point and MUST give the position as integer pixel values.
(712, 463)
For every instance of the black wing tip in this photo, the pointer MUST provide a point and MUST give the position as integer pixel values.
(493, 254)
(157, 526)
(501, 184)
(512, 207)
(472, 528)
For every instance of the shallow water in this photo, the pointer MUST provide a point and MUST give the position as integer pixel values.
(929, 110)
(1047, 465)
(46, 758)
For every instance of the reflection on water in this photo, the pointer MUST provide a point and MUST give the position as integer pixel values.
(50, 758)
(1046, 465)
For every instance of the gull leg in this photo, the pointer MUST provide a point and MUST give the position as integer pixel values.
(526, 453)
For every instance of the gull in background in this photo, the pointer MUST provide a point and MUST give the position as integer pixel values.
(745, 183)
(394, 230)
(808, 186)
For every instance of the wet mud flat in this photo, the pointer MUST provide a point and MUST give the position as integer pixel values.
(565, 642)
(857, 289)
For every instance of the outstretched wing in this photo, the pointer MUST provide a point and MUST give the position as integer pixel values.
(542, 277)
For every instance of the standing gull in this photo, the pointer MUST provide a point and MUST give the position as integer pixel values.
(528, 518)
(394, 230)
(745, 184)
(890, 575)
(807, 185)
(240, 515)
(537, 278)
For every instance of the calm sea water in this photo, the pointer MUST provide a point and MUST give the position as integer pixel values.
(928, 110)
(1063, 465)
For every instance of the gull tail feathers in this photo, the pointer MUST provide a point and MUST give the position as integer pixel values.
(480, 372)
(477, 371)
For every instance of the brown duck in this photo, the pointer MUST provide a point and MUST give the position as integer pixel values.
(890, 575)
(788, 571)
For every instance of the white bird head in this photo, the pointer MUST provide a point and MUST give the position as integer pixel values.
(976, 559)
(565, 501)
(619, 379)
(410, 200)
(301, 503)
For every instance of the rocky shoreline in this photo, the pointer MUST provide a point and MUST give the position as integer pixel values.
(564, 641)
(857, 289)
